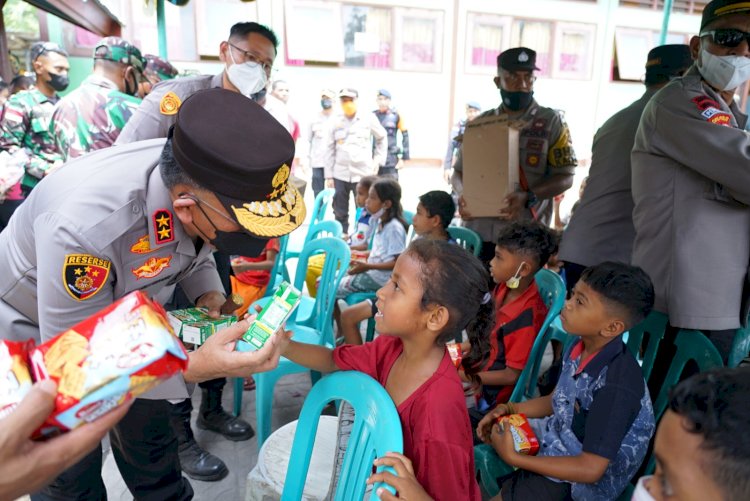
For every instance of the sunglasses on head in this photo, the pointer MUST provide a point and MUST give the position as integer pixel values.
(727, 37)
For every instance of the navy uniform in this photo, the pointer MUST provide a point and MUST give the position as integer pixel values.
(87, 236)
(392, 122)
(601, 228)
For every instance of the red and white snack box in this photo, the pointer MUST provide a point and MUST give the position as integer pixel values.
(121, 352)
(454, 350)
(524, 439)
(15, 377)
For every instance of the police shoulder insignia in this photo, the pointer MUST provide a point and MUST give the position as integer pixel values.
(169, 104)
(152, 267)
(84, 275)
(163, 226)
(142, 246)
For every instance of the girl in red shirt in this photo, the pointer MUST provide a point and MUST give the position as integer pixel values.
(437, 289)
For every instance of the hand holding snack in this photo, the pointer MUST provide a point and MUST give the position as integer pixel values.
(211, 301)
(484, 428)
(26, 465)
(502, 441)
(356, 267)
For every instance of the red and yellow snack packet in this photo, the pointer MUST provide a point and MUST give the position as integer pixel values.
(15, 377)
(524, 439)
(454, 350)
(121, 352)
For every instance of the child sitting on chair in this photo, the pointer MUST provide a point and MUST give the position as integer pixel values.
(594, 428)
(522, 249)
(358, 241)
(434, 213)
(252, 275)
(436, 290)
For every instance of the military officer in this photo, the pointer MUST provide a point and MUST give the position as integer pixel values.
(24, 130)
(392, 122)
(157, 70)
(248, 55)
(546, 152)
(80, 241)
(92, 116)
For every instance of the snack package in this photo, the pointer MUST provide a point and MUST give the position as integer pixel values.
(119, 353)
(15, 376)
(193, 325)
(358, 255)
(524, 439)
(271, 318)
(454, 350)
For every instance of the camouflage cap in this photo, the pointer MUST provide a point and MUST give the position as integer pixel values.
(159, 68)
(120, 51)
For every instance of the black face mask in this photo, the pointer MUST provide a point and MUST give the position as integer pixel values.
(326, 104)
(516, 101)
(232, 242)
(58, 82)
(128, 90)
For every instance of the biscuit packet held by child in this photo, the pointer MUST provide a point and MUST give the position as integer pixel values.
(524, 439)
(113, 356)
(271, 318)
(454, 350)
(15, 376)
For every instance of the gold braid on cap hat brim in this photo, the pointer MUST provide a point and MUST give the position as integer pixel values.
(283, 212)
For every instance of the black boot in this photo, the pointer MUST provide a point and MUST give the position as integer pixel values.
(213, 417)
(195, 462)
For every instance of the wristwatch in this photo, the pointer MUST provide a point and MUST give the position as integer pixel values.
(531, 199)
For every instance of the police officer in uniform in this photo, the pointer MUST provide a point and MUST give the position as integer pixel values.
(248, 56)
(601, 228)
(546, 152)
(82, 238)
(392, 122)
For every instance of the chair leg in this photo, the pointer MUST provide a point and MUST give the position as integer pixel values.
(264, 385)
(370, 330)
(238, 389)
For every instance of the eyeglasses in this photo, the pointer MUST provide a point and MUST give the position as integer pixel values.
(516, 77)
(200, 202)
(727, 37)
(252, 58)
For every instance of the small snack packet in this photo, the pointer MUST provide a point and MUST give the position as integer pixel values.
(15, 376)
(121, 352)
(271, 318)
(454, 350)
(524, 439)
(193, 325)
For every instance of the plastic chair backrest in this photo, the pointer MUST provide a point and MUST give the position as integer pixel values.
(409, 217)
(335, 266)
(653, 329)
(321, 204)
(329, 228)
(376, 430)
(466, 238)
(552, 289)
(740, 346)
(276, 273)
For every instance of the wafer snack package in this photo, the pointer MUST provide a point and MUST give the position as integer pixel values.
(454, 350)
(15, 376)
(271, 318)
(121, 352)
(524, 439)
(193, 325)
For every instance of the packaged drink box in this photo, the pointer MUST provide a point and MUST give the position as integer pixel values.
(271, 318)
(194, 326)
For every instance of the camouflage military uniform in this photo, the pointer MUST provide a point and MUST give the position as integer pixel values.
(91, 117)
(25, 135)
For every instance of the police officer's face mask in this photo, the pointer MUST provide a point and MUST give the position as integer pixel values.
(724, 72)
(516, 101)
(238, 243)
(249, 77)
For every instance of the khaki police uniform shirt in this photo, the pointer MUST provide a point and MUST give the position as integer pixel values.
(545, 149)
(601, 228)
(316, 136)
(349, 147)
(691, 189)
(88, 236)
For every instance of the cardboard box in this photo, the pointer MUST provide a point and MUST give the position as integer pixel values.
(271, 318)
(490, 162)
(193, 325)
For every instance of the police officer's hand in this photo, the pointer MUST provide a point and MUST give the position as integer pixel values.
(462, 210)
(329, 182)
(216, 357)
(515, 203)
(26, 465)
(212, 301)
(405, 483)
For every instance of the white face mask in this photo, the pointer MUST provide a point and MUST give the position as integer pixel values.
(724, 72)
(249, 77)
(641, 493)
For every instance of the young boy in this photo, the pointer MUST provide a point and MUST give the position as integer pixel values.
(702, 441)
(434, 213)
(522, 249)
(595, 427)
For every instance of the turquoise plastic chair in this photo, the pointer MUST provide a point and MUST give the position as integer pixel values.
(277, 276)
(466, 238)
(376, 430)
(740, 347)
(653, 329)
(328, 228)
(320, 332)
(320, 207)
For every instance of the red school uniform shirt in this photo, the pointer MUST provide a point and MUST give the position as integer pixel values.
(434, 420)
(258, 277)
(516, 326)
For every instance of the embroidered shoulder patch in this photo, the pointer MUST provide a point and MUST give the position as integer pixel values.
(152, 267)
(142, 246)
(163, 226)
(84, 275)
(169, 104)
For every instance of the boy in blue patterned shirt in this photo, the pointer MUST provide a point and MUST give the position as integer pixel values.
(594, 429)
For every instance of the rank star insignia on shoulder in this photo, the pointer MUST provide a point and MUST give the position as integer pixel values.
(163, 226)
